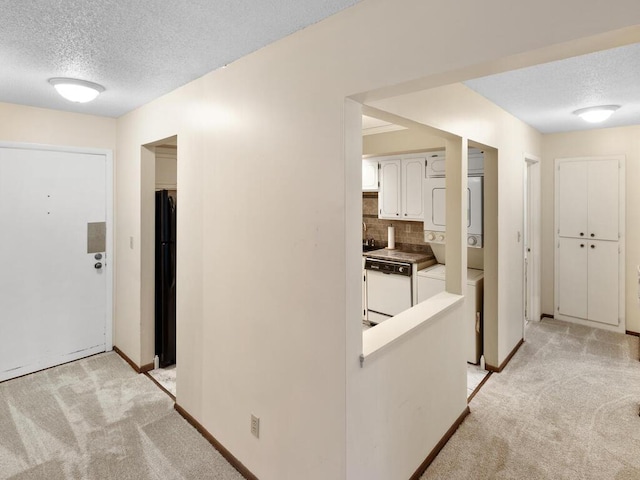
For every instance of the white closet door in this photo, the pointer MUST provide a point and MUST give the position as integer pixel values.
(54, 299)
(572, 277)
(603, 199)
(572, 199)
(603, 282)
(590, 214)
(369, 175)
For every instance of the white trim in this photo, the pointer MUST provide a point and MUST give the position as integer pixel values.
(110, 252)
(51, 362)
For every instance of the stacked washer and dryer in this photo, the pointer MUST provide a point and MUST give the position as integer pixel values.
(431, 280)
(435, 199)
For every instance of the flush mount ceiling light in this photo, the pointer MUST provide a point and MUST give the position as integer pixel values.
(74, 90)
(596, 114)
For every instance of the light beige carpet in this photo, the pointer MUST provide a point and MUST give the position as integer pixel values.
(566, 407)
(97, 419)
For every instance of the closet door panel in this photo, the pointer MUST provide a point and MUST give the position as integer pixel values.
(572, 277)
(412, 188)
(572, 199)
(389, 200)
(603, 199)
(603, 287)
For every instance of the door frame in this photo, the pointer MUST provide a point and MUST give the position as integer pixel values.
(147, 249)
(531, 246)
(110, 252)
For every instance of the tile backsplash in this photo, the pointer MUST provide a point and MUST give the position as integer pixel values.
(408, 235)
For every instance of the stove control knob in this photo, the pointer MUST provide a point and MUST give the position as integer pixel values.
(431, 236)
(440, 238)
(401, 269)
(472, 241)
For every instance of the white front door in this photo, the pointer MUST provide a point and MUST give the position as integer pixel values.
(54, 296)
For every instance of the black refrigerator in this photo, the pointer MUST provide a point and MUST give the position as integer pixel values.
(165, 308)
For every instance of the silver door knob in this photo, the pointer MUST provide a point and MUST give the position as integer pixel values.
(98, 265)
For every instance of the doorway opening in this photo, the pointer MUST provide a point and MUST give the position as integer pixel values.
(159, 212)
(386, 144)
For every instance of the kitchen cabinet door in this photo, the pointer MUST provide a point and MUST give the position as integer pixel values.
(369, 175)
(603, 199)
(602, 290)
(572, 199)
(572, 277)
(389, 199)
(413, 172)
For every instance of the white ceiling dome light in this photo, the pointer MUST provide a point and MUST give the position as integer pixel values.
(74, 90)
(596, 114)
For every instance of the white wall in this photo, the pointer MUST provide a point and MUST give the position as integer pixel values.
(408, 397)
(609, 141)
(261, 326)
(19, 123)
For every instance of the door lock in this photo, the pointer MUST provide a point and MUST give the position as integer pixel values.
(98, 265)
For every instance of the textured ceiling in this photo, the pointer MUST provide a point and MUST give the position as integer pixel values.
(138, 50)
(544, 96)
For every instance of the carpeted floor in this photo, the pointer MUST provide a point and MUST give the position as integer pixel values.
(97, 419)
(566, 407)
(166, 377)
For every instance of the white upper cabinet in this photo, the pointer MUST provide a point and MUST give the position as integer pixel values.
(588, 199)
(413, 170)
(369, 175)
(401, 187)
(389, 199)
(437, 163)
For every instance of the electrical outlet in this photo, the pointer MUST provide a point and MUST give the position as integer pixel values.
(255, 426)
